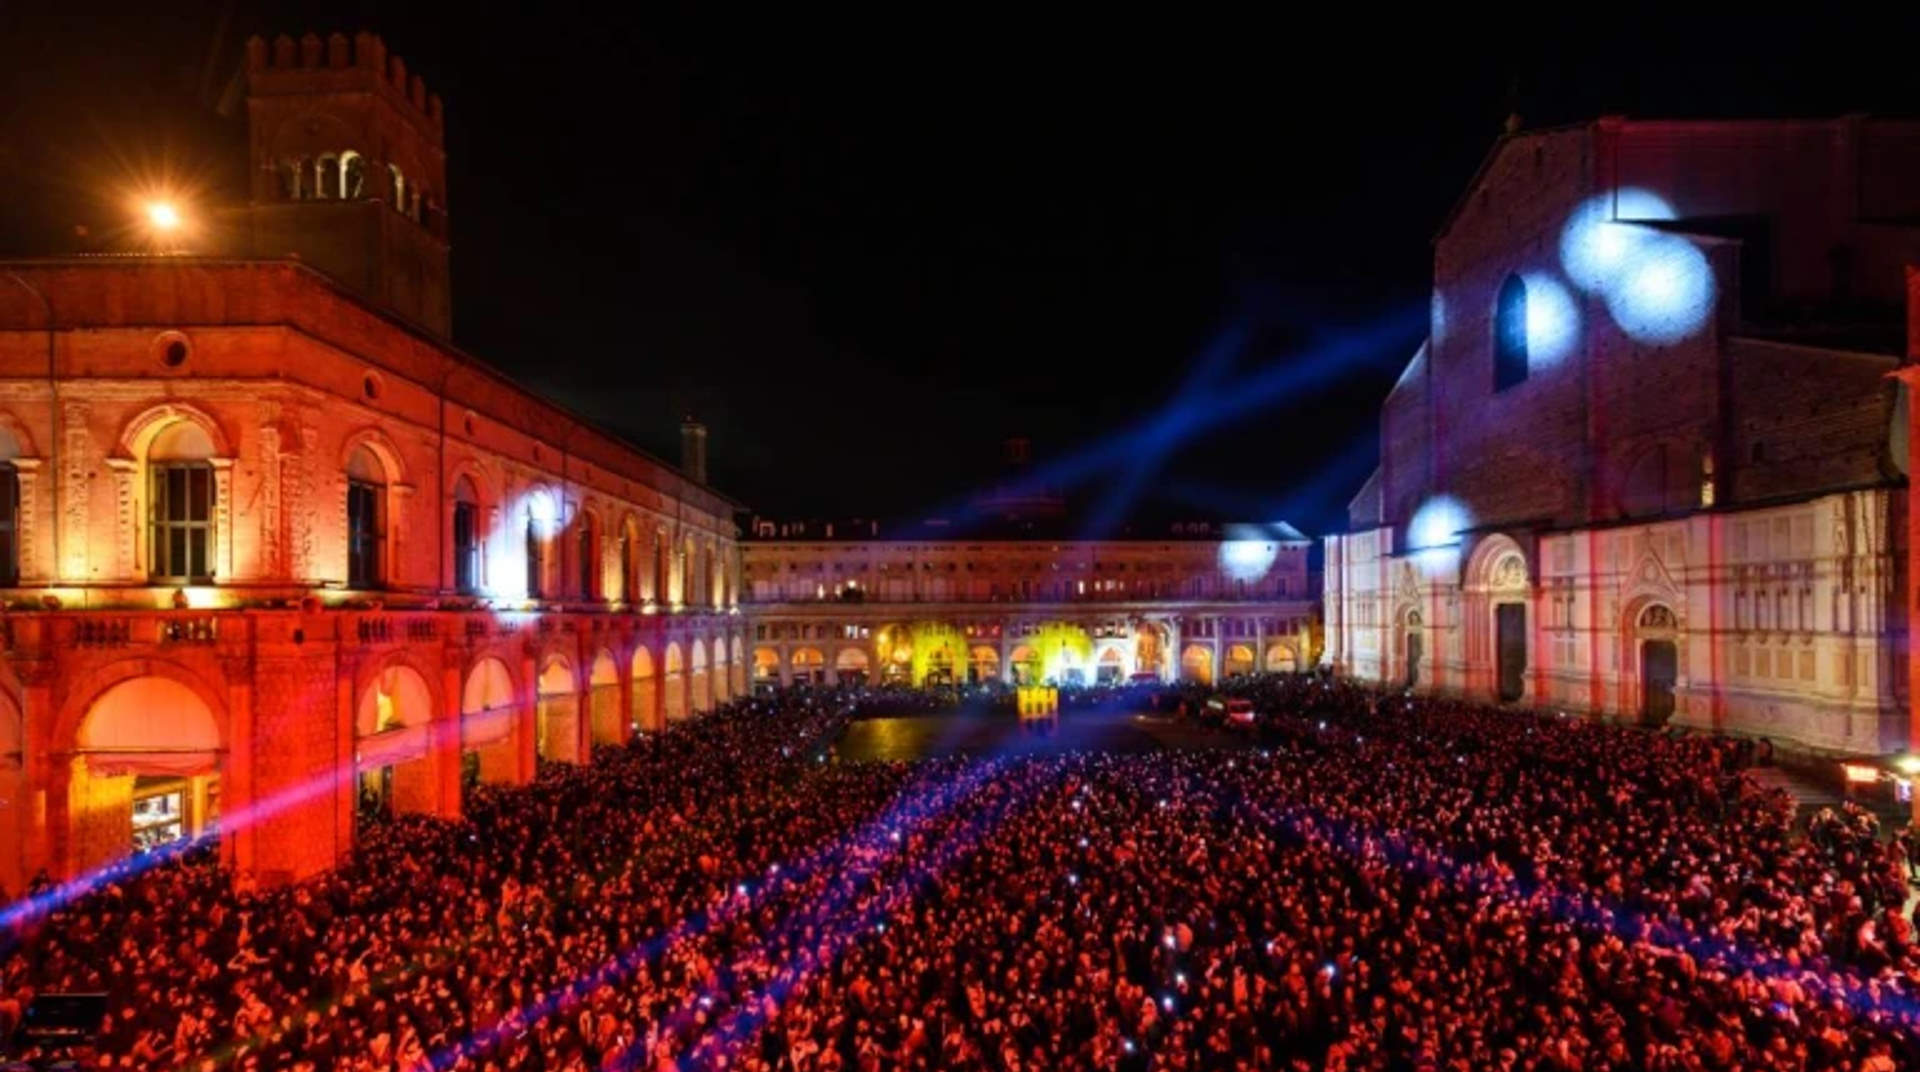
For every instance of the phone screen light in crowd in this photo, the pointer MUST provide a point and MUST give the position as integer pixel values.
(1166, 1002)
(1167, 940)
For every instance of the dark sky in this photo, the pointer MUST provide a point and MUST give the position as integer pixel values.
(866, 250)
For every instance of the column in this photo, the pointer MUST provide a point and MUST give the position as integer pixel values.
(37, 771)
(448, 747)
(624, 721)
(237, 842)
(527, 724)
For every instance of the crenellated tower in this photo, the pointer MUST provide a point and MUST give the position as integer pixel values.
(349, 170)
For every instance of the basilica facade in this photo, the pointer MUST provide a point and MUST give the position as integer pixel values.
(274, 552)
(1650, 461)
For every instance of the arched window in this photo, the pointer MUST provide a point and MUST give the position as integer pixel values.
(1510, 334)
(629, 565)
(353, 174)
(662, 567)
(586, 553)
(466, 537)
(540, 521)
(366, 520)
(399, 185)
(181, 500)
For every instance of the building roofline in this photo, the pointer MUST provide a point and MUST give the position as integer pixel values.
(726, 506)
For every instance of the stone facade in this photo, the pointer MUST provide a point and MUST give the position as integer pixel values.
(1200, 603)
(1643, 464)
(273, 550)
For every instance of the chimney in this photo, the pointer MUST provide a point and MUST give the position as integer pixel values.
(693, 450)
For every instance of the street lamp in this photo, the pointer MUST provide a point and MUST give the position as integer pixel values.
(162, 216)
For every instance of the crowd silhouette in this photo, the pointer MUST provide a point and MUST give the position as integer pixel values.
(1373, 882)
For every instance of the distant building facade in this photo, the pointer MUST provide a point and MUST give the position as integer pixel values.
(274, 551)
(1013, 600)
(1649, 461)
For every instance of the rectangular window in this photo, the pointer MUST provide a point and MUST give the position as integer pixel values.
(363, 534)
(466, 547)
(182, 529)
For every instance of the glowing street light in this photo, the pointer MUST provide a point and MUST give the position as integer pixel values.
(163, 216)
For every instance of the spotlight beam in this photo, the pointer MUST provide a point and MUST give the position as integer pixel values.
(1182, 421)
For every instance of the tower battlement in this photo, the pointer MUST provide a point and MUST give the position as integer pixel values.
(341, 64)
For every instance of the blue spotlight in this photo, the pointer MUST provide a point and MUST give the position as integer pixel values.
(1665, 294)
(1553, 320)
(1438, 523)
(1247, 560)
(1599, 241)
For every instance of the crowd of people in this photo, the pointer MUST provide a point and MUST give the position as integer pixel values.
(1376, 882)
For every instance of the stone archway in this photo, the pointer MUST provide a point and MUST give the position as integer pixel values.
(645, 690)
(489, 715)
(738, 664)
(1410, 647)
(1150, 649)
(603, 700)
(1023, 663)
(1239, 660)
(392, 743)
(1499, 593)
(766, 666)
(1279, 658)
(1654, 648)
(983, 664)
(675, 709)
(809, 666)
(144, 772)
(699, 684)
(556, 713)
(1196, 664)
(851, 666)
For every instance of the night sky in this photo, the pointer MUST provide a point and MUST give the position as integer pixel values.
(865, 250)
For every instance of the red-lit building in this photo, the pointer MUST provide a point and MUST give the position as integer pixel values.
(275, 550)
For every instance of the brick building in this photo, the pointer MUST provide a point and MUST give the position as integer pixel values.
(1012, 595)
(275, 550)
(1649, 460)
